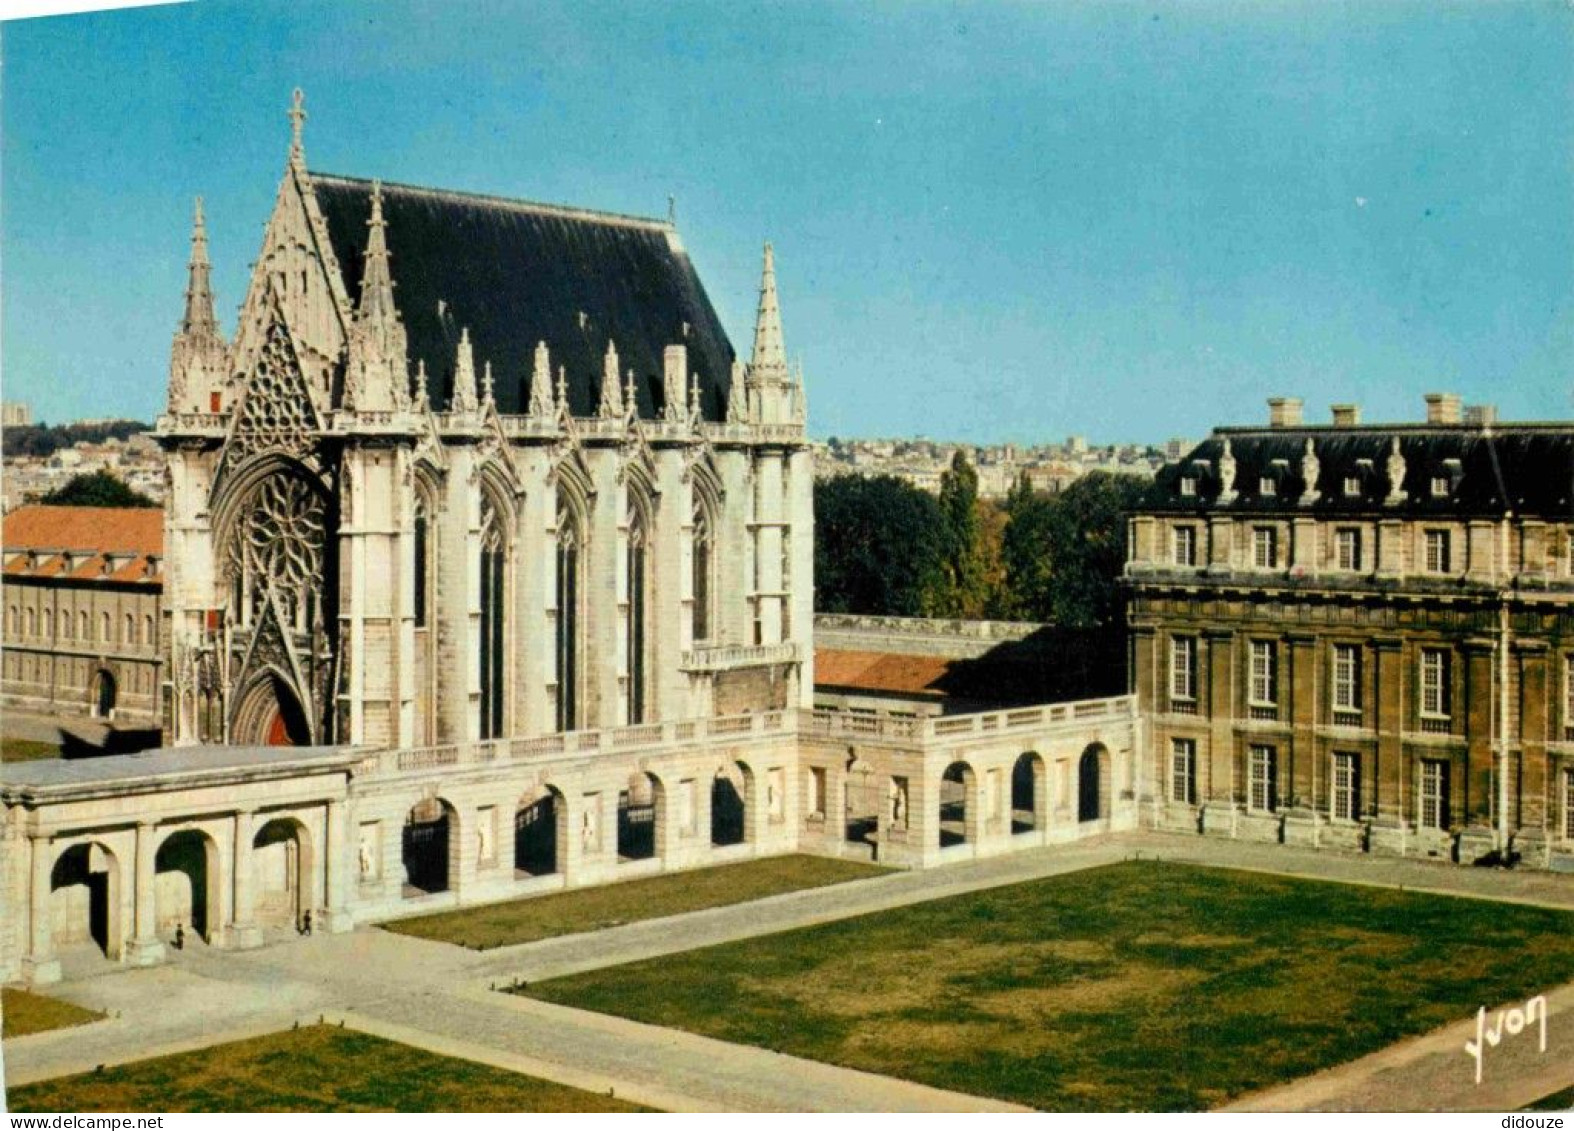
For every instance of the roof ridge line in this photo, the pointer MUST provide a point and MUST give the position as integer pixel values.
(566, 211)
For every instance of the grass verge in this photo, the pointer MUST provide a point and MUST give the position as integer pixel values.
(319, 1068)
(27, 750)
(27, 1012)
(594, 909)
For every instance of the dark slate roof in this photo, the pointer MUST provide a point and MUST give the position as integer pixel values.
(1524, 468)
(518, 273)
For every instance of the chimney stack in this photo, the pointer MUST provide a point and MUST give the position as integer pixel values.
(1442, 408)
(1481, 414)
(1347, 415)
(1284, 412)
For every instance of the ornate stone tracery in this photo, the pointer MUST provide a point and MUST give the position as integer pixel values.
(277, 544)
(277, 414)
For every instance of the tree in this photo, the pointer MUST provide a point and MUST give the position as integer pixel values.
(875, 551)
(1086, 542)
(1025, 590)
(1064, 554)
(964, 588)
(97, 489)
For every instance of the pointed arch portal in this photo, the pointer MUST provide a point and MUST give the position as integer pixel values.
(270, 715)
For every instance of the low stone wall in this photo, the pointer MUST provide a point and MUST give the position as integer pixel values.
(918, 636)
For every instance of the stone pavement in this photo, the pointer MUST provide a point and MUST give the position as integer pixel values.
(439, 997)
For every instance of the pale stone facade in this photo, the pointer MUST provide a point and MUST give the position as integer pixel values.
(526, 630)
(113, 858)
(358, 555)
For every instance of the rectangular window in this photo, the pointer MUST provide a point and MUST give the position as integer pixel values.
(1440, 486)
(1568, 803)
(1188, 486)
(1183, 771)
(1568, 695)
(1347, 546)
(1346, 801)
(1264, 779)
(1434, 683)
(1264, 677)
(1352, 487)
(1185, 545)
(1437, 560)
(1347, 677)
(1183, 668)
(1434, 794)
(1265, 547)
(1267, 488)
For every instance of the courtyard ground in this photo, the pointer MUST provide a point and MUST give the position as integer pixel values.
(318, 1068)
(27, 1013)
(436, 997)
(598, 908)
(1147, 986)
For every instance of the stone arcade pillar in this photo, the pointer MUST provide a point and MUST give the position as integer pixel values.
(145, 948)
(41, 966)
(336, 857)
(244, 931)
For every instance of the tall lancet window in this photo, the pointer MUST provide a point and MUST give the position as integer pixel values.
(638, 580)
(702, 561)
(493, 602)
(420, 566)
(570, 543)
(423, 585)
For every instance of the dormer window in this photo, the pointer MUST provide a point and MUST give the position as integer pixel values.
(1188, 486)
(1352, 486)
(1440, 486)
(1267, 487)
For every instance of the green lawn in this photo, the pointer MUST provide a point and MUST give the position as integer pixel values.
(27, 750)
(34, 1013)
(1140, 986)
(593, 909)
(319, 1068)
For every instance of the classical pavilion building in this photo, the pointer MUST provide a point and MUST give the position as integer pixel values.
(1362, 636)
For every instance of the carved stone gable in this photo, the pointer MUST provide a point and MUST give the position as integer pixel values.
(276, 413)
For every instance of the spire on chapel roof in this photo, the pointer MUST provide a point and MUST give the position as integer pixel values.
(541, 405)
(377, 298)
(297, 116)
(464, 397)
(199, 318)
(611, 395)
(770, 354)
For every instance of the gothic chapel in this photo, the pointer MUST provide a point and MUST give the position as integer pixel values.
(476, 468)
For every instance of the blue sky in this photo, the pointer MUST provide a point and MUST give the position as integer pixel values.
(993, 220)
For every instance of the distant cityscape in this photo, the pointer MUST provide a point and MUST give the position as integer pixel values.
(1049, 467)
(39, 460)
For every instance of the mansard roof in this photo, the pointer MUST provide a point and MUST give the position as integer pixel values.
(517, 273)
(1523, 469)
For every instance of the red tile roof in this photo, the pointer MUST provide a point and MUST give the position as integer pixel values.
(105, 543)
(880, 671)
(99, 530)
